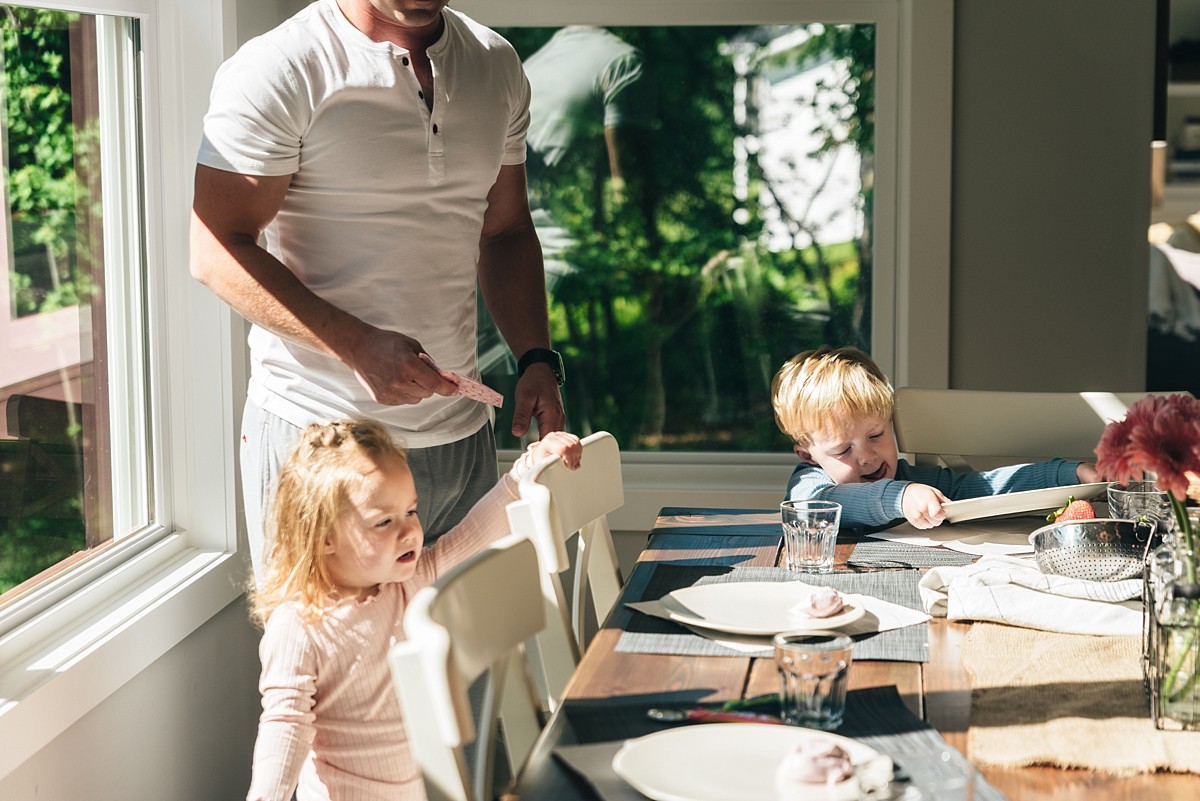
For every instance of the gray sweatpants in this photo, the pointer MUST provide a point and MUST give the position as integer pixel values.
(450, 478)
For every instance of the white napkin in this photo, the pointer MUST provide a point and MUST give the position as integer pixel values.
(977, 537)
(881, 616)
(1007, 589)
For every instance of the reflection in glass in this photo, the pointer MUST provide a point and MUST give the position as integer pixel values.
(702, 195)
(55, 475)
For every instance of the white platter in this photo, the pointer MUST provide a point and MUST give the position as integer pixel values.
(752, 607)
(728, 761)
(1014, 503)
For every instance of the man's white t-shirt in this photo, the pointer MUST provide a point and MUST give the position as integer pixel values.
(386, 203)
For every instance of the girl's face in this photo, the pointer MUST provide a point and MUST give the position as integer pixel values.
(865, 451)
(378, 538)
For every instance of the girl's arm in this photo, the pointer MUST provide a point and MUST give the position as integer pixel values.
(288, 688)
(488, 519)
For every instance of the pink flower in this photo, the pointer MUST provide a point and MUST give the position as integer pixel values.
(1114, 457)
(1159, 435)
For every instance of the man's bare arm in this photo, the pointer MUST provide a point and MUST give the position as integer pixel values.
(229, 213)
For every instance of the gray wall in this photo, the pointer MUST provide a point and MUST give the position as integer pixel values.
(1052, 129)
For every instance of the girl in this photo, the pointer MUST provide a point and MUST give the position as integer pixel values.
(345, 557)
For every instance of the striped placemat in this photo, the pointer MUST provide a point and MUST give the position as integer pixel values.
(645, 634)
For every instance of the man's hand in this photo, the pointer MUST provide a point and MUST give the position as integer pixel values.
(922, 505)
(388, 365)
(537, 396)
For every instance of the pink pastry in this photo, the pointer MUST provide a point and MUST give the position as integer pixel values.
(815, 761)
(824, 602)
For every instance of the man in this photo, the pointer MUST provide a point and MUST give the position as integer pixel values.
(379, 145)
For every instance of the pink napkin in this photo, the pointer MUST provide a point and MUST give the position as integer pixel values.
(467, 387)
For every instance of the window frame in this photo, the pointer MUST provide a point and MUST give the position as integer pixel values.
(911, 299)
(69, 643)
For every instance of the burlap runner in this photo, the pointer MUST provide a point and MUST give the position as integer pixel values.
(1068, 700)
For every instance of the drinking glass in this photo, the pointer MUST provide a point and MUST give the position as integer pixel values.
(814, 670)
(1138, 499)
(810, 530)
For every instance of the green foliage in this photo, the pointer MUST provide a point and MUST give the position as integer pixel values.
(673, 317)
(42, 157)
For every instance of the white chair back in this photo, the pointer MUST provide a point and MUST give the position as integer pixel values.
(557, 503)
(951, 425)
(472, 621)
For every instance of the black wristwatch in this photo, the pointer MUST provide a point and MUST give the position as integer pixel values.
(545, 355)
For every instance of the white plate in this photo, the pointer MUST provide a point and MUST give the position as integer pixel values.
(1013, 503)
(752, 607)
(730, 761)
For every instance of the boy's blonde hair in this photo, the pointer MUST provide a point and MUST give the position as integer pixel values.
(825, 390)
(313, 491)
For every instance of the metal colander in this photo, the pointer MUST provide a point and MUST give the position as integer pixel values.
(1097, 550)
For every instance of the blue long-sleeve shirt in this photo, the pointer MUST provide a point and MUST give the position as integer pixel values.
(876, 504)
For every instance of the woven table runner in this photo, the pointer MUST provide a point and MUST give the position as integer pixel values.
(1067, 700)
(652, 635)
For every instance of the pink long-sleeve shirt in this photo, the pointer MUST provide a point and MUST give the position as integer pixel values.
(331, 725)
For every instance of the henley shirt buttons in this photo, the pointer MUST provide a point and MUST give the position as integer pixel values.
(435, 128)
(404, 61)
(421, 95)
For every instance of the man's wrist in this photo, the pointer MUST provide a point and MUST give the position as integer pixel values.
(551, 358)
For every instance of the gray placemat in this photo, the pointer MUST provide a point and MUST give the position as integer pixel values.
(877, 716)
(652, 635)
(874, 553)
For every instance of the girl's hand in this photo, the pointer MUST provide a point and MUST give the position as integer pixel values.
(558, 443)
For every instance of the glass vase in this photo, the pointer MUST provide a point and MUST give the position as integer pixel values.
(1175, 670)
(1171, 653)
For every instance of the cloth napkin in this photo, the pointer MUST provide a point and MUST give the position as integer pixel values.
(1012, 590)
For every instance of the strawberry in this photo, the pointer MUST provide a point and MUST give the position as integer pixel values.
(1074, 510)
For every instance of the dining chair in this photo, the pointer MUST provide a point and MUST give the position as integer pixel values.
(555, 505)
(954, 425)
(471, 622)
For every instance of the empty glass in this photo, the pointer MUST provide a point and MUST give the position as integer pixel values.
(810, 530)
(814, 670)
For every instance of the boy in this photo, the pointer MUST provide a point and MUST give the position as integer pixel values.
(836, 405)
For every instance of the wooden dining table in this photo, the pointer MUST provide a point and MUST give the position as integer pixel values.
(938, 691)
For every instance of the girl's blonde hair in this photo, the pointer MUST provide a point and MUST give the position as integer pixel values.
(314, 490)
(825, 390)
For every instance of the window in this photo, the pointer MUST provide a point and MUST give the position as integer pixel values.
(703, 199)
(904, 317)
(72, 260)
(126, 366)
(877, 277)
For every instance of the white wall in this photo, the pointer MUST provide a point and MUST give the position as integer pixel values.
(183, 730)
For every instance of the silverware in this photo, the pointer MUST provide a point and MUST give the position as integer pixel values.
(701, 715)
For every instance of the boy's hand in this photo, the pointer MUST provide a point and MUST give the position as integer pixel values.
(922, 505)
(1087, 474)
(558, 443)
